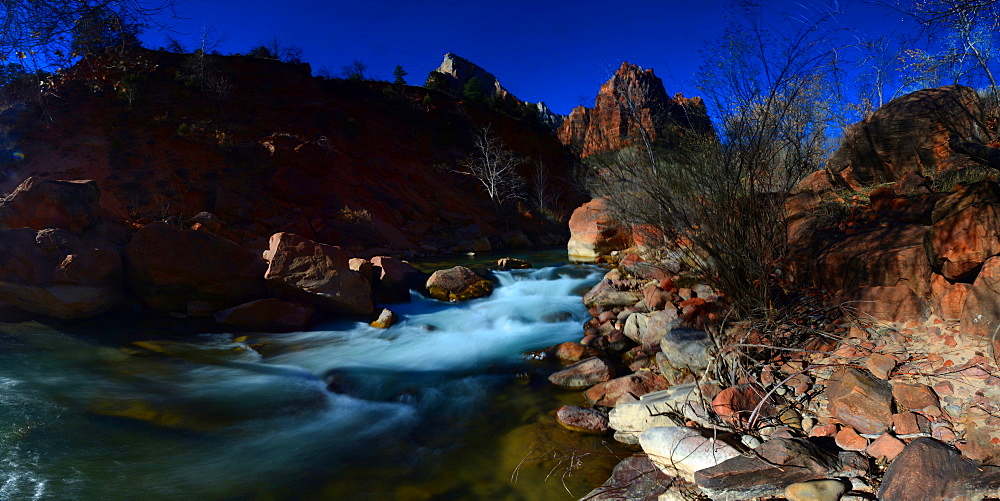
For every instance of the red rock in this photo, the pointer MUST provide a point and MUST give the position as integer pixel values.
(271, 314)
(887, 257)
(825, 430)
(570, 352)
(927, 469)
(908, 133)
(58, 274)
(858, 399)
(886, 447)
(943, 388)
(881, 365)
(961, 242)
(44, 203)
(775, 464)
(849, 440)
(887, 304)
(909, 423)
(736, 403)
(582, 419)
(609, 125)
(981, 313)
(656, 298)
(583, 374)
(948, 299)
(168, 267)
(881, 198)
(638, 384)
(606, 317)
(667, 284)
(316, 273)
(984, 192)
(914, 397)
(594, 233)
(458, 284)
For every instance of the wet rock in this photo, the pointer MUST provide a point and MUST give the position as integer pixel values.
(858, 399)
(458, 284)
(593, 233)
(58, 274)
(570, 352)
(607, 394)
(636, 478)
(778, 463)
(167, 267)
(815, 490)
(270, 314)
(385, 319)
(394, 279)
(316, 273)
(583, 374)
(583, 419)
(45, 203)
(510, 263)
(683, 451)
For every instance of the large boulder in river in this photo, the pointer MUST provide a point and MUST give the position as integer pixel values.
(44, 203)
(317, 273)
(56, 273)
(594, 233)
(458, 284)
(395, 279)
(169, 267)
(270, 314)
(910, 133)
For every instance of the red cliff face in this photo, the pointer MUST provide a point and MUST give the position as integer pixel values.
(631, 102)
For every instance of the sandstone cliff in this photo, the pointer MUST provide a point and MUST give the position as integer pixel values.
(633, 99)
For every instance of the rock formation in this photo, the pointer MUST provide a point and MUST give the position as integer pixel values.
(631, 100)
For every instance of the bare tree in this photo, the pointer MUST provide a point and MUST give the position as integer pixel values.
(354, 71)
(494, 166)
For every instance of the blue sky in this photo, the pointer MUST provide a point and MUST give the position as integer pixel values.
(559, 52)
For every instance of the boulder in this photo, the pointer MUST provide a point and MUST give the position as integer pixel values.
(58, 274)
(928, 469)
(958, 244)
(606, 394)
(981, 311)
(686, 349)
(168, 267)
(636, 478)
(510, 263)
(682, 451)
(270, 314)
(458, 284)
(583, 419)
(776, 464)
(886, 304)
(605, 296)
(570, 352)
(885, 257)
(914, 397)
(44, 203)
(983, 192)
(910, 133)
(316, 273)
(583, 374)
(948, 299)
(656, 409)
(593, 233)
(858, 399)
(395, 279)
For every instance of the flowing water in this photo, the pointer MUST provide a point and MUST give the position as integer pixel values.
(443, 405)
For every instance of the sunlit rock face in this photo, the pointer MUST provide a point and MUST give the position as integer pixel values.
(460, 70)
(632, 102)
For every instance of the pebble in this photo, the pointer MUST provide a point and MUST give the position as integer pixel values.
(815, 490)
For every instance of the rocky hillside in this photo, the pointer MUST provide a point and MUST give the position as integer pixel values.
(267, 147)
(632, 96)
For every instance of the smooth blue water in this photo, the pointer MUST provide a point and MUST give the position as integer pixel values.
(430, 408)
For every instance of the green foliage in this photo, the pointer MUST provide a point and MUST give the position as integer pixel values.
(399, 73)
(474, 90)
(428, 102)
(438, 81)
(183, 129)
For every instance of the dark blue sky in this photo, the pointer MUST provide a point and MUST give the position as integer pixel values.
(558, 52)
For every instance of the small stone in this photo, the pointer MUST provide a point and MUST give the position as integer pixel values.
(583, 374)
(909, 423)
(816, 490)
(881, 365)
(944, 434)
(750, 441)
(583, 420)
(849, 440)
(858, 399)
(385, 319)
(808, 424)
(931, 411)
(943, 388)
(826, 430)
(885, 446)
(913, 396)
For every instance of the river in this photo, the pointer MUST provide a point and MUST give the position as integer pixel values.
(443, 405)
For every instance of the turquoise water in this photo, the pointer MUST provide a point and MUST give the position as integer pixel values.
(440, 406)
